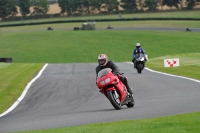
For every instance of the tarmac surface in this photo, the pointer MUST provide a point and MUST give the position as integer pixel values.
(66, 95)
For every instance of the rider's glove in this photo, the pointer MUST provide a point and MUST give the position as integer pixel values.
(116, 73)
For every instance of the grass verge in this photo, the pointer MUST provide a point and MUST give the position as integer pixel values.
(182, 123)
(14, 78)
(189, 65)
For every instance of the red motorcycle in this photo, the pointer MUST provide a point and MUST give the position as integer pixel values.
(110, 85)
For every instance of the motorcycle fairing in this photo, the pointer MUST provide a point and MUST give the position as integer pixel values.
(106, 81)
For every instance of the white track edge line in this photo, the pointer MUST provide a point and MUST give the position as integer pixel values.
(169, 74)
(24, 92)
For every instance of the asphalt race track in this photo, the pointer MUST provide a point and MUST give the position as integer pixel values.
(114, 28)
(66, 95)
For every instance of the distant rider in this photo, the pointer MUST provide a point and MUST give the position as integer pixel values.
(105, 63)
(137, 50)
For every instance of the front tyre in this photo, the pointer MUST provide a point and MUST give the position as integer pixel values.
(140, 66)
(114, 99)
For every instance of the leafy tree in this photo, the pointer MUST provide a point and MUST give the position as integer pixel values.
(99, 4)
(190, 4)
(159, 3)
(141, 4)
(66, 6)
(171, 3)
(151, 4)
(76, 6)
(95, 5)
(40, 6)
(88, 6)
(85, 6)
(112, 5)
(24, 7)
(129, 5)
(7, 8)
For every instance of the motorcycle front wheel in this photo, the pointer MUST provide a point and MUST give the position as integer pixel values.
(114, 99)
(139, 67)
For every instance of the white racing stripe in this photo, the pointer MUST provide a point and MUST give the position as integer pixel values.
(169, 74)
(24, 92)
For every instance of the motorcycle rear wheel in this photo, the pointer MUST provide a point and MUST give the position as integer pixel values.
(114, 100)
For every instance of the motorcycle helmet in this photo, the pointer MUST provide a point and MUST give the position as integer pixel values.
(102, 59)
(137, 45)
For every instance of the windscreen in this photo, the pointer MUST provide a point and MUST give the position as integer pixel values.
(139, 55)
(103, 72)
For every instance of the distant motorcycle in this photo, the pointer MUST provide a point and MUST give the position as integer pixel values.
(109, 27)
(110, 85)
(140, 62)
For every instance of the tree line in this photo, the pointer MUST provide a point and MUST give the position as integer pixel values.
(79, 7)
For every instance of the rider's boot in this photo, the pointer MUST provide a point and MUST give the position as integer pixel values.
(131, 94)
(130, 91)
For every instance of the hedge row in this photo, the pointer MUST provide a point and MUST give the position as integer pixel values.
(97, 20)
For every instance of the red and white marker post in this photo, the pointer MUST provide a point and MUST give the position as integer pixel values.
(171, 62)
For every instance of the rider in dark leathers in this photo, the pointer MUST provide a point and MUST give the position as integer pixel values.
(137, 50)
(105, 63)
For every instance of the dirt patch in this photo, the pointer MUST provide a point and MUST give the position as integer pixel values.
(54, 8)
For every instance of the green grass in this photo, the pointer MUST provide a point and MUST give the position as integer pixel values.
(183, 123)
(84, 46)
(13, 79)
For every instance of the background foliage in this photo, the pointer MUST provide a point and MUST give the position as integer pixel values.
(84, 7)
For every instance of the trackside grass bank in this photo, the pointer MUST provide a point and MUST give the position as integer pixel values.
(189, 65)
(13, 79)
(85, 46)
(184, 123)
